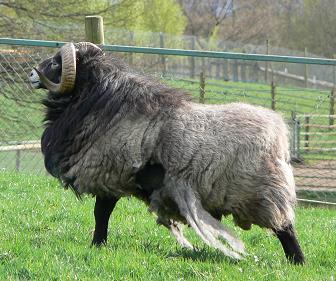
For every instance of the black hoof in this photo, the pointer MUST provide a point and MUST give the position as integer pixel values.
(98, 243)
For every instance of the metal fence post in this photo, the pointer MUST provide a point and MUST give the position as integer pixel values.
(306, 138)
(295, 140)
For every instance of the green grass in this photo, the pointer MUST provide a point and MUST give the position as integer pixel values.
(45, 235)
(21, 114)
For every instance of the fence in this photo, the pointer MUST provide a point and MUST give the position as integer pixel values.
(234, 77)
(298, 73)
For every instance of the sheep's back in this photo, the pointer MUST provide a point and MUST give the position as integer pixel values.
(218, 147)
(227, 130)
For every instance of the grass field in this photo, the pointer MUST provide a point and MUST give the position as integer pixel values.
(46, 232)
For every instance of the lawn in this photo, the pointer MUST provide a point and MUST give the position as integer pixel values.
(45, 235)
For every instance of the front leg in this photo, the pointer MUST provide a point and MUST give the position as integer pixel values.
(102, 212)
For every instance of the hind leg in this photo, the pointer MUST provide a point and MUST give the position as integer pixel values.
(290, 244)
(191, 211)
(175, 228)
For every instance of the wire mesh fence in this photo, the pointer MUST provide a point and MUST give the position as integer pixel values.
(308, 107)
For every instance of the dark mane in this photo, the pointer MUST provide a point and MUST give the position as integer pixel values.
(106, 83)
(117, 86)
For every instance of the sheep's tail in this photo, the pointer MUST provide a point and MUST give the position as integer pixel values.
(207, 227)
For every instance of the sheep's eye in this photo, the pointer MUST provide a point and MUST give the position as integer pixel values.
(54, 65)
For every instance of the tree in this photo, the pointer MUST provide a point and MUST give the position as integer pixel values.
(163, 16)
(251, 21)
(61, 20)
(204, 16)
(313, 27)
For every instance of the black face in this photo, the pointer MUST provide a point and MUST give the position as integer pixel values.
(51, 68)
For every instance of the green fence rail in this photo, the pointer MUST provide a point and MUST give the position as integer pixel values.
(179, 52)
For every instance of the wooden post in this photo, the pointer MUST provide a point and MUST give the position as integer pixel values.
(332, 99)
(243, 72)
(305, 70)
(202, 87)
(306, 138)
(94, 29)
(235, 72)
(18, 160)
(266, 63)
(334, 72)
(226, 70)
(256, 71)
(273, 93)
(252, 74)
(163, 58)
(332, 108)
(192, 59)
(130, 56)
(218, 65)
(210, 68)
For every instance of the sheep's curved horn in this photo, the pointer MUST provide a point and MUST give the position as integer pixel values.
(68, 54)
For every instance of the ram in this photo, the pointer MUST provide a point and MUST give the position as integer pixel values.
(111, 132)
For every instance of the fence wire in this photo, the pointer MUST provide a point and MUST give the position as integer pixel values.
(306, 104)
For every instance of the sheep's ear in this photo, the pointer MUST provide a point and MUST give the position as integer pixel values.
(88, 46)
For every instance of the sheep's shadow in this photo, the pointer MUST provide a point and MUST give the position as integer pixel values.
(201, 254)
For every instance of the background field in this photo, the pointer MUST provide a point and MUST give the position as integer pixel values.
(46, 232)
